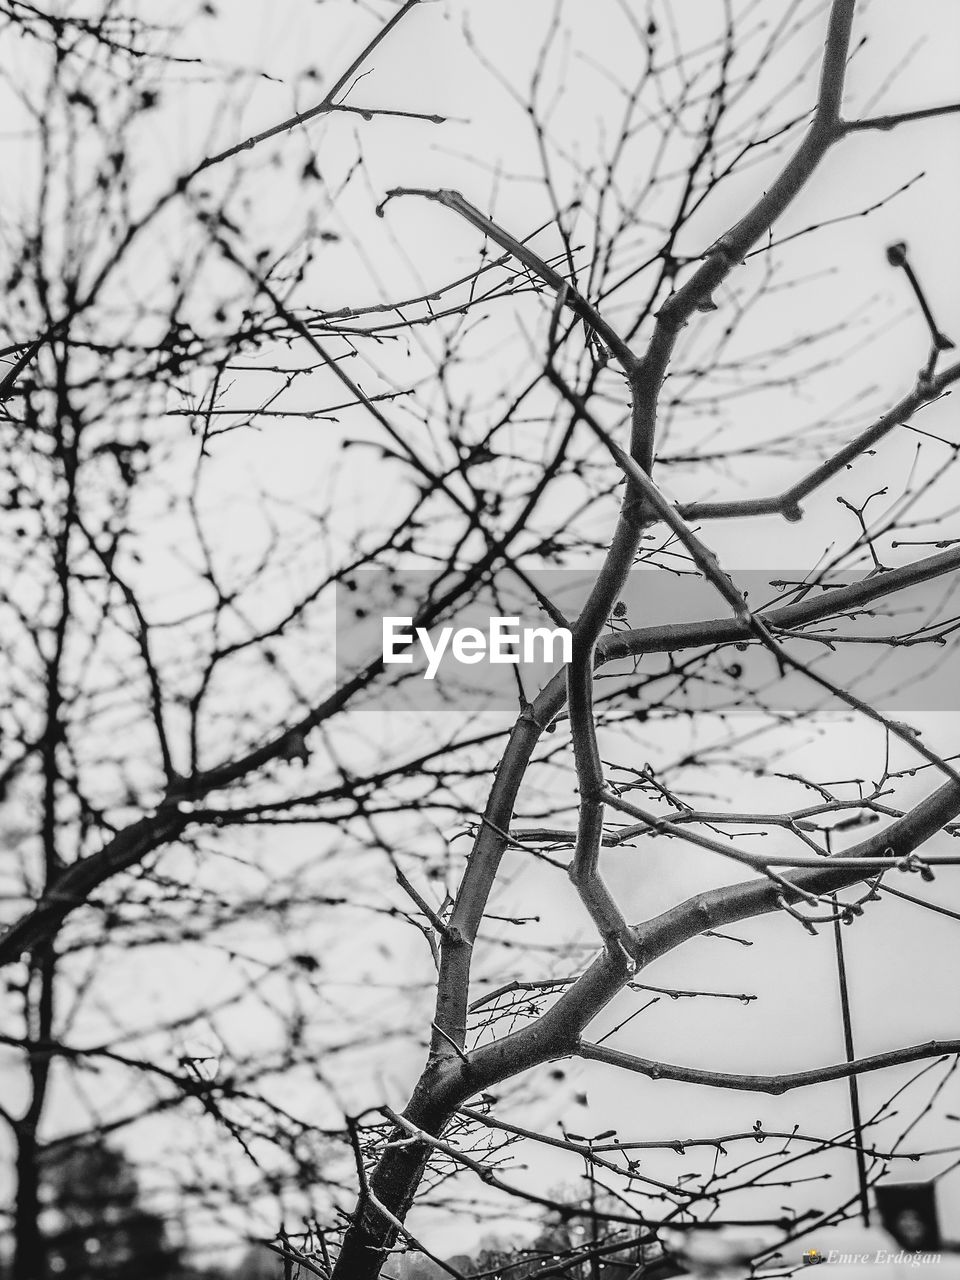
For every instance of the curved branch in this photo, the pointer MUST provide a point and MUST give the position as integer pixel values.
(766, 1084)
(556, 1034)
(787, 504)
(577, 303)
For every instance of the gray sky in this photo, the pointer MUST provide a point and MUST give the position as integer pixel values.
(903, 961)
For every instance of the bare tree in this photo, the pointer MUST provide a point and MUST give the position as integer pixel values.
(181, 773)
(121, 610)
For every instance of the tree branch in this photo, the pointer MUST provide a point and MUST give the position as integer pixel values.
(787, 504)
(901, 117)
(325, 105)
(766, 1084)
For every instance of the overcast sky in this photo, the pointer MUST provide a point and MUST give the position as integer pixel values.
(903, 962)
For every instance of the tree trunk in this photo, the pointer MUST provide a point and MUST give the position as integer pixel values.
(394, 1183)
(30, 1254)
